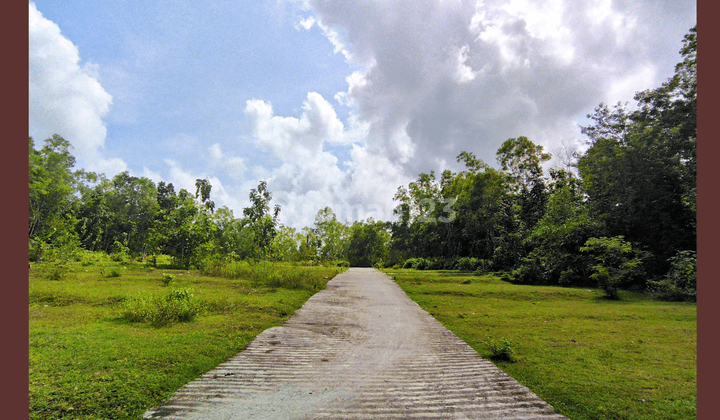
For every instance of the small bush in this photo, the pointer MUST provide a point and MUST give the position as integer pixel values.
(167, 279)
(114, 272)
(56, 272)
(421, 264)
(501, 350)
(176, 306)
(409, 263)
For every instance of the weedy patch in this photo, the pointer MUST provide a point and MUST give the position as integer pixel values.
(176, 306)
(166, 279)
(114, 272)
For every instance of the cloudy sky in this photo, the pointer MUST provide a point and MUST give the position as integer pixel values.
(333, 103)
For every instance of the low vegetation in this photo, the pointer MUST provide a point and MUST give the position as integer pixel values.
(110, 347)
(590, 357)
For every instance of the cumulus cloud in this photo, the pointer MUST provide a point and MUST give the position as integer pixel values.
(66, 98)
(442, 77)
(309, 177)
(234, 166)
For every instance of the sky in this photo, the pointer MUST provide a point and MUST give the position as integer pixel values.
(332, 103)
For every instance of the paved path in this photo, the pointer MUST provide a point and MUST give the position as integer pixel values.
(360, 349)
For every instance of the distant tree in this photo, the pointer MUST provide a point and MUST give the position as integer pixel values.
(331, 233)
(52, 185)
(258, 219)
(202, 190)
(368, 243)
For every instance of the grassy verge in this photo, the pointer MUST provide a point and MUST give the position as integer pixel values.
(89, 361)
(589, 357)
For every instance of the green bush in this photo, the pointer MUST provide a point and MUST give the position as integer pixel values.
(114, 272)
(409, 263)
(176, 306)
(501, 350)
(56, 271)
(680, 282)
(167, 279)
(470, 264)
(615, 261)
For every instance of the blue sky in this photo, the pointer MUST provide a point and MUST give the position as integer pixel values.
(332, 103)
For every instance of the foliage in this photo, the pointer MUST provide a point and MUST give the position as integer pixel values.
(57, 271)
(176, 306)
(257, 217)
(501, 350)
(615, 261)
(368, 243)
(680, 283)
(166, 279)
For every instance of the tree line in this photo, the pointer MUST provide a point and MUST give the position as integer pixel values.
(622, 214)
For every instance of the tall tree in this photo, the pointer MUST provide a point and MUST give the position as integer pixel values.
(51, 189)
(258, 218)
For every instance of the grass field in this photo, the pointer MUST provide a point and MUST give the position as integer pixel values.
(589, 357)
(87, 361)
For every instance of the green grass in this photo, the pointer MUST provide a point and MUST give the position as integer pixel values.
(88, 362)
(589, 357)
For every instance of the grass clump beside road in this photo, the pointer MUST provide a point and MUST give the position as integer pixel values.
(110, 347)
(587, 356)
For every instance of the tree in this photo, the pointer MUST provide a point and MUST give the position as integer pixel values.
(332, 234)
(202, 190)
(615, 261)
(259, 220)
(52, 184)
(368, 243)
(522, 160)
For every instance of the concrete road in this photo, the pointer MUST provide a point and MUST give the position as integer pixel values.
(360, 349)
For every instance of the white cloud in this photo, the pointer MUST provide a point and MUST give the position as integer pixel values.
(308, 178)
(438, 78)
(65, 98)
(184, 179)
(215, 151)
(233, 166)
(306, 23)
(151, 175)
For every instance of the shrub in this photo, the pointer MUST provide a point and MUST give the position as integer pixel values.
(176, 306)
(114, 272)
(409, 263)
(421, 264)
(56, 271)
(471, 264)
(680, 283)
(615, 261)
(166, 279)
(501, 350)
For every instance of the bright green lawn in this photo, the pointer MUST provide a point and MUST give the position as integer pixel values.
(86, 362)
(589, 357)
